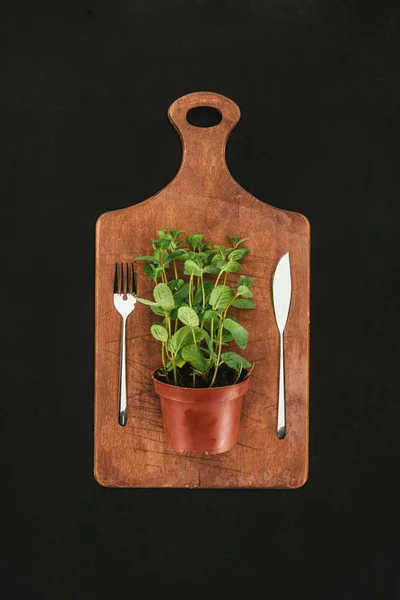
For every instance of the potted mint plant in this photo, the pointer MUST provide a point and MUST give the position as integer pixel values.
(201, 382)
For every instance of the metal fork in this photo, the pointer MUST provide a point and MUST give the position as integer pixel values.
(123, 286)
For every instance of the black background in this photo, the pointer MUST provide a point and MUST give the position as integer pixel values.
(85, 88)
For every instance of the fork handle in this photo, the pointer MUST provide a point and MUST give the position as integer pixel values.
(122, 405)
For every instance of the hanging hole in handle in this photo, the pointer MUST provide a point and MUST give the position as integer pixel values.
(204, 116)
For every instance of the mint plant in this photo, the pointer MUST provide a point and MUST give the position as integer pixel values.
(196, 326)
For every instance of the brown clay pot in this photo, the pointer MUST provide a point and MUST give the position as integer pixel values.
(201, 419)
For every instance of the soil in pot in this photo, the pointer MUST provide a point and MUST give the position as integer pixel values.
(225, 376)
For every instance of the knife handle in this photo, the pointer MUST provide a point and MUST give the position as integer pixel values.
(281, 424)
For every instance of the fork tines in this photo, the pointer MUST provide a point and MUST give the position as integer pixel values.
(124, 282)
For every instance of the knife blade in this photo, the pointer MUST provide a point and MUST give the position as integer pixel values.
(282, 295)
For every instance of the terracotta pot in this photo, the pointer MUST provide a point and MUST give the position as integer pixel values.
(201, 419)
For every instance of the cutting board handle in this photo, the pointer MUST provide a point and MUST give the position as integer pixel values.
(203, 147)
(229, 110)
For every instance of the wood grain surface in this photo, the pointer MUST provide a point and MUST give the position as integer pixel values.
(203, 192)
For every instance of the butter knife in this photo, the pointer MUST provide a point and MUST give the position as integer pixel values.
(282, 294)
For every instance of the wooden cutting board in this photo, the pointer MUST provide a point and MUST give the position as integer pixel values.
(203, 198)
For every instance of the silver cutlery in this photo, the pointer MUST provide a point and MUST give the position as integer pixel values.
(124, 302)
(282, 294)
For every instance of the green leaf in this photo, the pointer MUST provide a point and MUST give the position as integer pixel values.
(175, 284)
(150, 271)
(197, 297)
(216, 258)
(206, 246)
(213, 268)
(243, 303)
(179, 360)
(200, 258)
(174, 313)
(157, 310)
(192, 268)
(232, 318)
(247, 281)
(175, 254)
(244, 291)
(211, 353)
(221, 296)
(153, 272)
(208, 287)
(181, 338)
(232, 266)
(175, 232)
(210, 314)
(222, 250)
(159, 332)
(194, 239)
(165, 242)
(163, 296)
(235, 361)
(201, 334)
(210, 254)
(181, 293)
(240, 334)
(193, 355)
(235, 240)
(158, 273)
(145, 301)
(188, 316)
(189, 255)
(227, 337)
(149, 258)
(239, 253)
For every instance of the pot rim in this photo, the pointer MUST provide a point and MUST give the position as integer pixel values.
(205, 389)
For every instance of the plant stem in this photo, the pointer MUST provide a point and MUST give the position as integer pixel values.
(162, 356)
(219, 351)
(225, 276)
(163, 276)
(216, 281)
(249, 371)
(229, 303)
(168, 321)
(238, 374)
(167, 353)
(195, 343)
(174, 369)
(190, 290)
(163, 361)
(202, 288)
(222, 317)
(175, 271)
